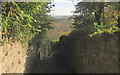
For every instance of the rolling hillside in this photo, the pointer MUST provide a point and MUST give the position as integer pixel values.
(62, 26)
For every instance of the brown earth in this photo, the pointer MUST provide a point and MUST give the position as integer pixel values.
(13, 58)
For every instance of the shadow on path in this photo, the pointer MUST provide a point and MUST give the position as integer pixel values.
(45, 67)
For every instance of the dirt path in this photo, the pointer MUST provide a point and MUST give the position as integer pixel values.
(51, 68)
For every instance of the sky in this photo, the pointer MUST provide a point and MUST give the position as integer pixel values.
(63, 7)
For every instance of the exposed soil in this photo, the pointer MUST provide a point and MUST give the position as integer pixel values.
(13, 58)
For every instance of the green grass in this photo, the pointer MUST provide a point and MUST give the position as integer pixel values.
(55, 40)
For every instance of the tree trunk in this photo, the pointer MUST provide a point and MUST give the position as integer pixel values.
(98, 13)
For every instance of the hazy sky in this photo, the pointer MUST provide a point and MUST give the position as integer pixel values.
(63, 7)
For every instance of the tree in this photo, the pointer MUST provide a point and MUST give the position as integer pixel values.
(104, 16)
(84, 17)
(91, 7)
(23, 20)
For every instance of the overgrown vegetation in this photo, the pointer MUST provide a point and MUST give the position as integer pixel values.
(96, 17)
(21, 21)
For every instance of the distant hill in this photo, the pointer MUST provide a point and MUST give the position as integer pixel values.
(63, 16)
(62, 26)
